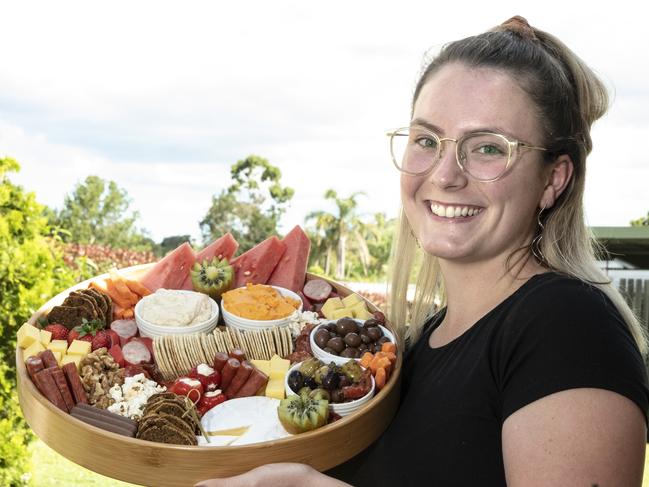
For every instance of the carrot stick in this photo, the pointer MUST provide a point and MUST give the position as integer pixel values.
(136, 287)
(380, 378)
(127, 314)
(117, 297)
(122, 288)
(366, 359)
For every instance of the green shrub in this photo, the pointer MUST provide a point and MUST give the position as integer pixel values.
(31, 271)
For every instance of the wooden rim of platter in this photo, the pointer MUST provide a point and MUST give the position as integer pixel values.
(151, 463)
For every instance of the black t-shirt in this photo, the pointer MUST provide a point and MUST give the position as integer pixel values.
(554, 333)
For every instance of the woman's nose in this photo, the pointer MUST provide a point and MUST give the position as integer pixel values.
(447, 173)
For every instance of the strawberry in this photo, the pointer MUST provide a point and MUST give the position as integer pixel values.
(58, 331)
(101, 340)
(86, 331)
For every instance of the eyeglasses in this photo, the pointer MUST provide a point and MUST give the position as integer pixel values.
(485, 156)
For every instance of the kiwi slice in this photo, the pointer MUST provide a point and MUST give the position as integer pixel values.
(212, 277)
(300, 413)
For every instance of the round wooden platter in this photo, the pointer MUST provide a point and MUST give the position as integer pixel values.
(150, 463)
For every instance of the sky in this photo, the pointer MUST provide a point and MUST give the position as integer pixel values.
(163, 97)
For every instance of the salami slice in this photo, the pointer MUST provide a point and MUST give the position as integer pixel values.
(125, 329)
(135, 353)
(317, 290)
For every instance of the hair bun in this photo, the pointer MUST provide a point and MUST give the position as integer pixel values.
(520, 26)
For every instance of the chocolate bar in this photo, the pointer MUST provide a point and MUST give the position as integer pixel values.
(104, 419)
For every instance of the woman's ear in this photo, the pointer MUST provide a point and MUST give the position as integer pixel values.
(557, 180)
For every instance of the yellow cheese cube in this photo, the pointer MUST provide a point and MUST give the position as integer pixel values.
(34, 349)
(46, 337)
(330, 306)
(76, 359)
(263, 365)
(351, 300)
(341, 313)
(278, 367)
(79, 347)
(27, 335)
(59, 346)
(360, 311)
(275, 388)
(57, 356)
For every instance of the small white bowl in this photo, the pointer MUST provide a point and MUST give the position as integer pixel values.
(149, 329)
(247, 324)
(327, 357)
(341, 408)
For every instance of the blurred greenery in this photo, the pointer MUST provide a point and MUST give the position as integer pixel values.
(31, 271)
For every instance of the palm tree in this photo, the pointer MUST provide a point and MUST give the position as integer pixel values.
(334, 233)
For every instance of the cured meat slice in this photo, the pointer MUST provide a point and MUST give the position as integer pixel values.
(257, 264)
(171, 271)
(224, 247)
(291, 269)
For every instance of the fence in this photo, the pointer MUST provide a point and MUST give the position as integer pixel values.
(636, 293)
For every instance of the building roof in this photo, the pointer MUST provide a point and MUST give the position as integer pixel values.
(630, 244)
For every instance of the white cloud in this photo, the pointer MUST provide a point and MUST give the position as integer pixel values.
(162, 97)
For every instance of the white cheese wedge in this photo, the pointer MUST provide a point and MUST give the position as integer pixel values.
(255, 417)
(219, 440)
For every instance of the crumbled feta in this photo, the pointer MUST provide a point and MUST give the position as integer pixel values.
(299, 320)
(131, 397)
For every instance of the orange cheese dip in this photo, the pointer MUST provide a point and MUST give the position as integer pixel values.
(259, 302)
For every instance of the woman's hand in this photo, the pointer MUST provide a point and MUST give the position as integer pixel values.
(276, 474)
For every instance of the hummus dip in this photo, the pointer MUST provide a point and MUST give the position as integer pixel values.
(169, 307)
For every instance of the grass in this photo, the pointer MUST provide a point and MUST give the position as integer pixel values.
(52, 470)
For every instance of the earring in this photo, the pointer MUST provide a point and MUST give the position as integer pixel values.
(535, 246)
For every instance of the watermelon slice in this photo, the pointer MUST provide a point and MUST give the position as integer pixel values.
(172, 270)
(291, 269)
(257, 264)
(222, 247)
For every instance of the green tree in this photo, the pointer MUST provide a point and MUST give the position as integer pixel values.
(31, 271)
(336, 233)
(251, 207)
(97, 212)
(170, 243)
(641, 222)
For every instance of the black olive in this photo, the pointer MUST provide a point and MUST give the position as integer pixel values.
(382, 340)
(337, 396)
(295, 380)
(331, 380)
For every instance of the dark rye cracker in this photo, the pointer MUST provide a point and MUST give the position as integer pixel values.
(161, 420)
(99, 301)
(167, 434)
(68, 316)
(77, 299)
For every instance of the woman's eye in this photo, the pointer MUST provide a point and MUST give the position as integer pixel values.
(426, 142)
(489, 150)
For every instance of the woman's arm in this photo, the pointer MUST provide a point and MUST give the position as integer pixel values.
(581, 437)
(277, 474)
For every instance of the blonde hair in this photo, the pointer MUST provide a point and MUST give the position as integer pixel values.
(569, 97)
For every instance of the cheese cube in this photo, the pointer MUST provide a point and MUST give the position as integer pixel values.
(34, 349)
(79, 347)
(59, 346)
(340, 313)
(275, 388)
(263, 365)
(57, 356)
(27, 335)
(76, 359)
(330, 306)
(351, 300)
(360, 311)
(278, 368)
(46, 337)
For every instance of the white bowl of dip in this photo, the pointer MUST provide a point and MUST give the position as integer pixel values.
(244, 324)
(176, 312)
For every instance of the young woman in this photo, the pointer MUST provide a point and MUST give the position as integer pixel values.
(531, 374)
